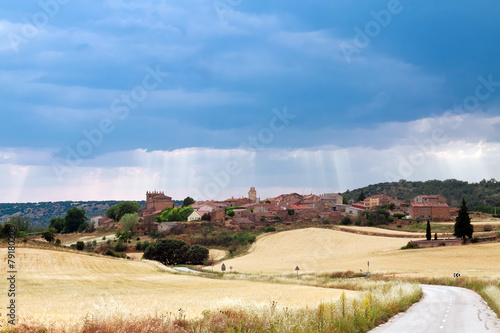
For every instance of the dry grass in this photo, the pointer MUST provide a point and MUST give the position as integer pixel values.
(380, 232)
(346, 314)
(320, 250)
(62, 287)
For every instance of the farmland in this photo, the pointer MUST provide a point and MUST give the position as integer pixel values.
(64, 286)
(331, 250)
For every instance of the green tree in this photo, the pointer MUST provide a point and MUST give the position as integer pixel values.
(185, 212)
(127, 207)
(231, 213)
(168, 251)
(345, 200)
(463, 227)
(428, 233)
(128, 221)
(361, 196)
(48, 236)
(74, 220)
(80, 245)
(57, 223)
(205, 217)
(112, 212)
(197, 254)
(7, 228)
(22, 223)
(187, 202)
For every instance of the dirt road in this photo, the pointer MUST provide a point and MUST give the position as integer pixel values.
(444, 309)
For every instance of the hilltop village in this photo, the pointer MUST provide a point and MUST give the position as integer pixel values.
(238, 213)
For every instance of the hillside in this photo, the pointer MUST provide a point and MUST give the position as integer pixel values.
(484, 193)
(63, 287)
(320, 250)
(40, 213)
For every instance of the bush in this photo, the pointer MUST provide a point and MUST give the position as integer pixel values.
(58, 241)
(410, 245)
(197, 254)
(48, 236)
(399, 215)
(488, 228)
(269, 228)
(138, 246)
(346, 220)
(475, 240)
(442, 244)
(154, 234)
(120, 246)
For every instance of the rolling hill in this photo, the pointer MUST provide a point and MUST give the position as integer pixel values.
(484, 193)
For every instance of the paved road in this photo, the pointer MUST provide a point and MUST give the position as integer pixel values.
(444, 309)
(187, 270)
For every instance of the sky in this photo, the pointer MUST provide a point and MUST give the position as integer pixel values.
(105, 100)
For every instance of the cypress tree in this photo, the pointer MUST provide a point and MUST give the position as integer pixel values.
(362, 196)
(463, 227)
(428, 231)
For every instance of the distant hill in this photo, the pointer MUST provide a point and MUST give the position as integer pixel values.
(41, 213)
(484, 193)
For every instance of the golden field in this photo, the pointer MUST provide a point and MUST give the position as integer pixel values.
(320, 250)
(55, 286)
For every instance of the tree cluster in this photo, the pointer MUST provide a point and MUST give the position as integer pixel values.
(74, 221)
(176, 252)
(127, 207)
(483, 193)
(175, 214)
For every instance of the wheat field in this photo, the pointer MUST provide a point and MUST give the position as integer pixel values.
(62, 287)
(319, 250)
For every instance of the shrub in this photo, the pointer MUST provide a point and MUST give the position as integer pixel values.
(120, 246)
(325, 221)
(80, 245)
(58, 241)
(488, 227)
(48, 236)
(475, 240)
(154, 234)
(138, 246)
(442, 244)
(399, 215)
(269, 228)
(346, 220)
(197, 254)
(410, 245)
